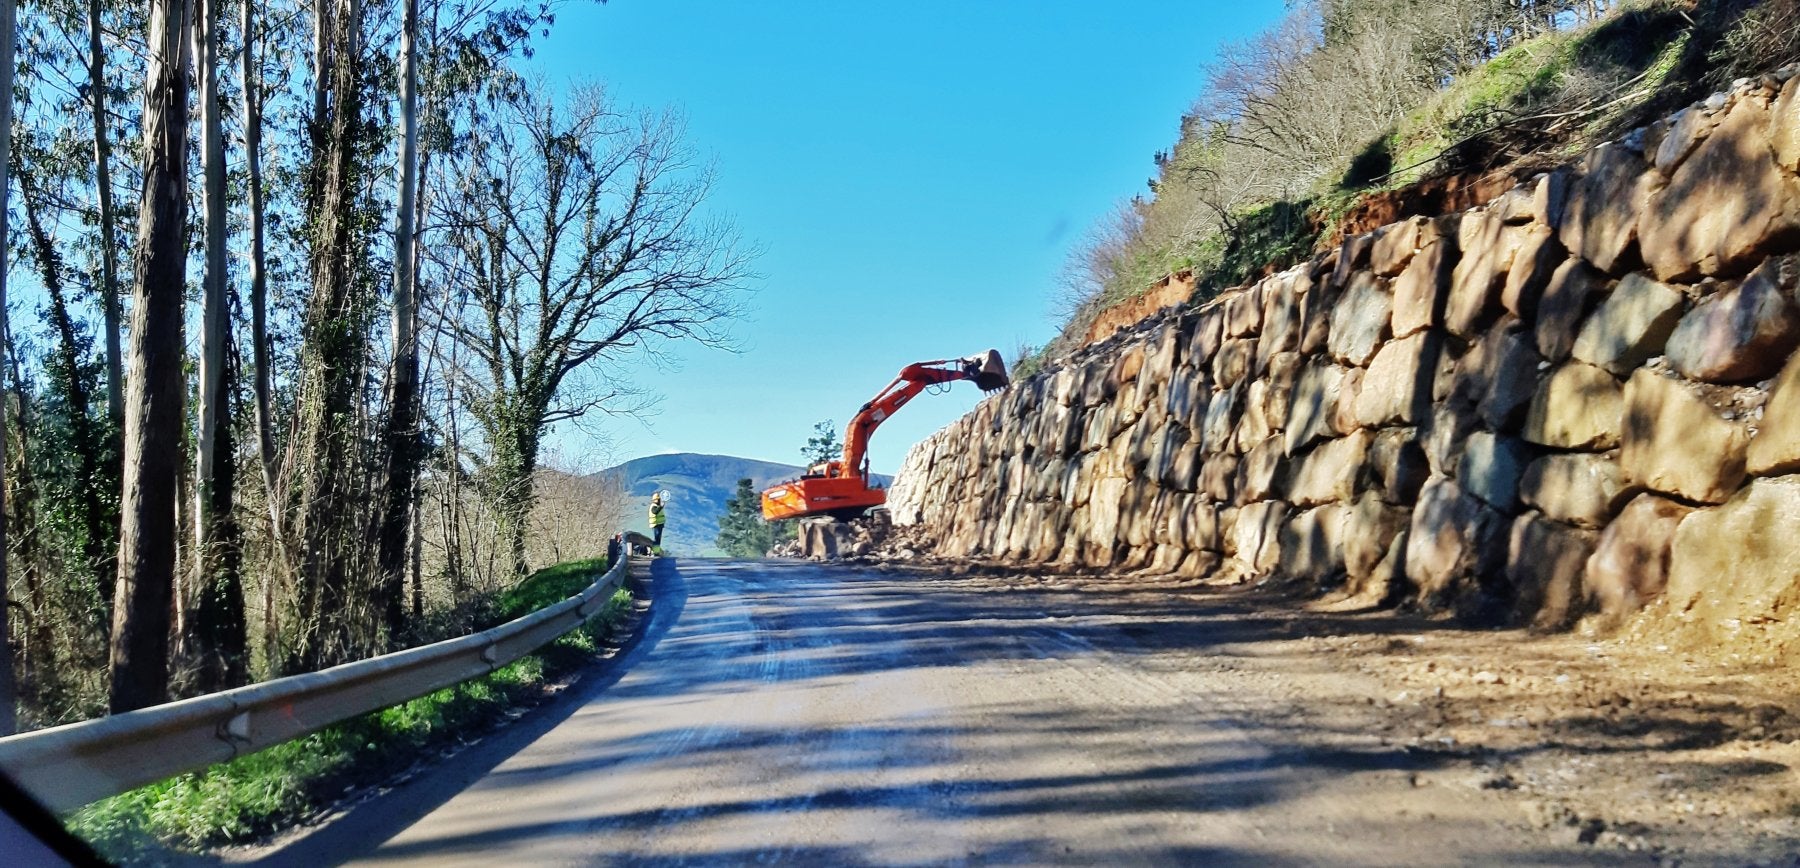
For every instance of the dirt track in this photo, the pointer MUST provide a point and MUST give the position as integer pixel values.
(800, 713)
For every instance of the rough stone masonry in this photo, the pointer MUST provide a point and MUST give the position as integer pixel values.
(1574, 400)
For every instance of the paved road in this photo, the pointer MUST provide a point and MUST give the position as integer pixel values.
(789, 712)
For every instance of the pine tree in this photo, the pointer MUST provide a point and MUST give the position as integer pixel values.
(742, 531)
(824, 445)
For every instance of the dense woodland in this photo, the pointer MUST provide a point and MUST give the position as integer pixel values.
(295, 291)
(1346, 97)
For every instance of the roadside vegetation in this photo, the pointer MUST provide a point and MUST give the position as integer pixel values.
(297, 292)
(1351, 112)
(248, 798)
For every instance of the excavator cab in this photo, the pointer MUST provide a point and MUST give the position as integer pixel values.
(841, 487)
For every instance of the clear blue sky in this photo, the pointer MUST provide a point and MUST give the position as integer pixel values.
(915, 173)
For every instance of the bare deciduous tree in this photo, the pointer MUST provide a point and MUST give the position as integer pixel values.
(578, 240)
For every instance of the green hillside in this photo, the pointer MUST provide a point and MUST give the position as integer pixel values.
(698, 487)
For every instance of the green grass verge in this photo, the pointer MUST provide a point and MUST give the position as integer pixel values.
(252, 796)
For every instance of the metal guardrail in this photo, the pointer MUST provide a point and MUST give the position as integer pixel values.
(71, 765)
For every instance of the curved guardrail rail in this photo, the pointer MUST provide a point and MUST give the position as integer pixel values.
(71, 765)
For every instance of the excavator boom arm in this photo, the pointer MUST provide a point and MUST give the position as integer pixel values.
(820, 492)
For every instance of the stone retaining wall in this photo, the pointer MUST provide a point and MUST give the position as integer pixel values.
(1575, 399)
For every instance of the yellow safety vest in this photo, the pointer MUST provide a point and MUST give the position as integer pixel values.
(657, 519)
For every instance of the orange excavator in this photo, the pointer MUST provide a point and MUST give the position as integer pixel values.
(840, 488)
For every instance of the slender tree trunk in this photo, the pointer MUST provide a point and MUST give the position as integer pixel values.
(9, 690)
(259, 280)
(331, 364)
(402, 435)
(109, 243)
(217, 601)
(154, 391)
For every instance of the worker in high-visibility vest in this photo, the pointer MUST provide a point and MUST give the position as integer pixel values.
(657, 519)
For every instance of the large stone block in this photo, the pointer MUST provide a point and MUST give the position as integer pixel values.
(1184, 473)
(1453, 540)
(1420, 290)
(1680, 135)
(1104, 506)
(1784, 126)
(1581, 488)
(1491, 467)
(1572, 291)
(1367, 531)
(1259, 470)
(1353, 256)
(1184, 388)
(1578, 406)
(1545, 562)
(1536, 261)
(1727, 206)
(1630, 566)
(1281, 373)
(1312, 546)
(1243, 312)
(1550, 197)
(1488, 246)
(1445, 437)
(1677, 443)
(1199, 524)
(1233, 362)
(1600, 221)
(1738, 561)
(1776, 448)
(1312, 408)
(1398, 466)
(1218, 478)
(1281, 319)
(1317, 306)
(1097, 428)
(1497, 377)
(1330, 472)
(1078, 481)
(1209, 330)
(1254, 425)
(1165, 447)
(1257, 534)
(1163, 353)
(1514, 207)
(1137, 514)
(1097, 383)
(1343, 418)
(1221, 419)
(1360, 322)
(1393, 246)
(1397, 386)
(1743, 334)
(1630, 326)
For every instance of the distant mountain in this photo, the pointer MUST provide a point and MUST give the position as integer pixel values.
(698, 487)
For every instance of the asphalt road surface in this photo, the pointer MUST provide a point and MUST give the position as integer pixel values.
(785, 712)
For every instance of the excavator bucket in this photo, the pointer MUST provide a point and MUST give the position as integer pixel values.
(987, 370)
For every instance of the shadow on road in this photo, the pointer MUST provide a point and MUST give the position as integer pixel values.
(363, 827)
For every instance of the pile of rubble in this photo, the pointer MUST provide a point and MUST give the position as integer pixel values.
(872, 538)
